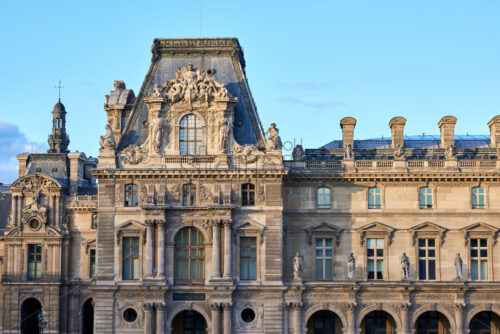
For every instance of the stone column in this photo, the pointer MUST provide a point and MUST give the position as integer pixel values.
(286, 320)
(351, 320)
(56, 210)
(216, 250)
(459, 307)
(297, 323)
(227, 318)
(215, 318)
(161, 249)
(404, 307)
(148, 318)
(160, 318)
(17, 260)
(13, 210)
(149, 248)
(56, 253)
(10, 260)
(227, 249)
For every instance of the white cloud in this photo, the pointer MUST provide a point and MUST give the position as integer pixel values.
(13, 142)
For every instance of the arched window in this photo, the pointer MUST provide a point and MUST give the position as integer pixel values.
(374, 198)
(189, 257)
(131, 194)
(190, 135)
(189, 194)
(323, 198)
(247, 194)
(425, 198)
(477, 198)
(93, 223)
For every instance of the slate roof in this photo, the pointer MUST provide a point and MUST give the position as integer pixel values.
(5, 205)
(419, 141)
(222, 55)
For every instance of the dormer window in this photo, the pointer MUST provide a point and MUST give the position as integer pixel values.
(190, 135)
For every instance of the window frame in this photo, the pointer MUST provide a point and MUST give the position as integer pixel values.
(40, 262)
(134, 191)
(246, 194)
(472, 195)
(139, 257)
(380, 194)
(429, 230)
(192, 190)
(479, 258)
(93, 221)
(327, 205)
(247, 228)
(375, 259)
(240, 247)
(198, 143)
(324, 258)
(427, 258)
(190, 280)
(94, 263)
(433, 198)
(480, 230)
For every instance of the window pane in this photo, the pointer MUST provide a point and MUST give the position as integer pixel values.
(474, 273)
(328, 269)
(380, 243)
(328, 252)
(432, 253)
(328, 242)
(431, 242)
(484, 269)
(422, 272)
(243, 270)
(136, 269)
(484, 242)
(370, 242)
(253, 269)
(126, 268)
(319, 269)
(432, 269)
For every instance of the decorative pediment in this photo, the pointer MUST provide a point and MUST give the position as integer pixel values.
(132, 226)
(324, 229)
(376, 230)
(191, 85)
(427, 229)
(88, 244)
(33, 182)
(34, 230)
(250, 226)
(480, 230)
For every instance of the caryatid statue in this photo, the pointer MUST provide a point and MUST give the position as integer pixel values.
(157, 131)
(351, 266)
(297, 267)
(108, 140)
(458, 266)
(405, 266)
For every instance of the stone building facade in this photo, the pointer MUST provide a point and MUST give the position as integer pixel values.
(193, 221)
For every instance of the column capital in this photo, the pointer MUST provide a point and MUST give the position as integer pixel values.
(160, 306)
(296, 306)
(227, 306)
(404, 306)
(160, 222)
(459, 306)
(214, 306)
(148, 306)
(350, 307)
(150, 222)
(227, 222)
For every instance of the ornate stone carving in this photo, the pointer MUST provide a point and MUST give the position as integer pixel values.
(134, 154)
(261, 194)
(108, 140)
(350, 307)
(348, 153)
(273, 140)
(351, 266)
(458, 267)
(157, 132)
(298, 268)
(191, 85)
(205, 194)
(246, 154)
(118, 193)
(450, 152)
(399, 151)
(32, 183)
(224, 129)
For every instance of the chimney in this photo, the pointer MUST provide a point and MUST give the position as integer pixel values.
(23, 161)
(447, 126)
(397, 125)
(75, 170)
(494, 125)
(347, 124)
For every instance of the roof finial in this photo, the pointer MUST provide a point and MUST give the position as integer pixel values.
(59, 87)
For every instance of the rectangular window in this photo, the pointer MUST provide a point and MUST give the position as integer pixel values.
(248, 258)
(130, 258)
(479, 259)
(247, 194)
(34, 261)
(323, 198)
(92, 263)
(427, 259)
(425, 198)
(478, 198)
(188, 195)
(324, 257)
(375, 258)
(374, 198)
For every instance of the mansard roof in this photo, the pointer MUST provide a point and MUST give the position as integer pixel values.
(224, 58)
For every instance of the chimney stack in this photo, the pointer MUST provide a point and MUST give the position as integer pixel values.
(447, 127)
(397, 125)
(347, 124)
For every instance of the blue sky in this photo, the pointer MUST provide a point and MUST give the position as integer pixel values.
(309, 63)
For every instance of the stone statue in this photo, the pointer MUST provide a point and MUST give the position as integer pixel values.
(273, 139)
(405, 266)
(298, 153)
(398, 151)
(223, 134)
(157, 132)
(297, 267)
(458, 266)
(348, 154)
(450, 152)
(156, 93)
(351, 266)
(108, 140)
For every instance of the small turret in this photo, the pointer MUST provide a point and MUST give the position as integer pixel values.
(58, 139)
